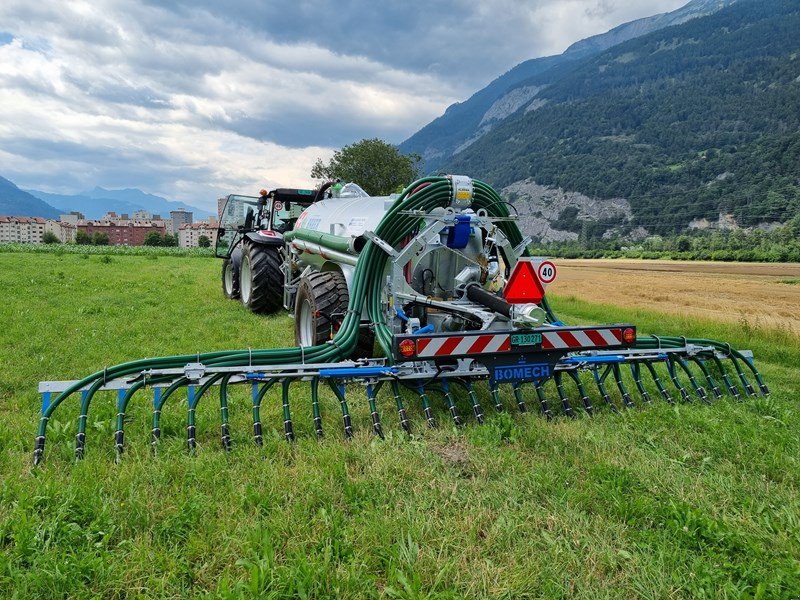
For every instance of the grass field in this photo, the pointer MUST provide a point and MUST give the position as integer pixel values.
(685, 501)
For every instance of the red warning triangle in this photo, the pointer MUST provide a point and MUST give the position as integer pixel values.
(523, 286)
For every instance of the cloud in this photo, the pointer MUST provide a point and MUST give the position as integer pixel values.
(192, 99)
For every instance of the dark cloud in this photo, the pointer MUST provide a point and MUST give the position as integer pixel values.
(176, 96)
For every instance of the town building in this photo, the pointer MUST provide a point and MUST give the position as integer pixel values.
(72, 218)
(27, 230)
(121, 233)
(189, 234)
(65, 232)
(180, 217)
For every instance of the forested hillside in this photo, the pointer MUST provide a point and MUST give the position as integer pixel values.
(686, 123)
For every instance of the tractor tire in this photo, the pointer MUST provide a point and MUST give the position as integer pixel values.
(320, 304)
(320, 307)
(261, 278)
(230, 279)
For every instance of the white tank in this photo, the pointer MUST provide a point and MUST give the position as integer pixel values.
(347, 215)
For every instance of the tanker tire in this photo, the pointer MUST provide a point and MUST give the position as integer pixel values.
(321, 302)
(261, 278)
(230, 279)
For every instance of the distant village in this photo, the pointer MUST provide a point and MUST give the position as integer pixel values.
(138, 229)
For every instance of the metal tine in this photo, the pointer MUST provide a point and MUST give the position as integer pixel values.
(473, 398)
(158, 403)
(732, 389)
(122, 406)
(339, 392)
(191, 440)
(626, 397)
(193, 402)
(122, 403)
(451, 405)
(587, 403)
(315, 407)
(543, 400)
(601, 387)
(225, 435)
(288, 428)
(742, 377)
(700, 362)
(519, 398)
(376, 420)
(657, 380)
(86, 399)
(673, 375)
(258, 397)
(495, 392)
(562, 394)
(401, 409)
(637, 379)
(699, 391)
(426, 405)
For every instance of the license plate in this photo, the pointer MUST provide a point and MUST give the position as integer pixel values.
(526, 339)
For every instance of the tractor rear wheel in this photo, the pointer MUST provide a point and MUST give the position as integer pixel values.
(261, 278)
(230, 279)
(320, 307)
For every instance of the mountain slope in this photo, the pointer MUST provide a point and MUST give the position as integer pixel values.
(97, 202)
(685, 123)
(15, 202)
(466, 121)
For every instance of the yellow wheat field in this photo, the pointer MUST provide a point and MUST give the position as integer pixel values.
(764, 295)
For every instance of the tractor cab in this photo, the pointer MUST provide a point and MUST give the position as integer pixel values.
(261, 219)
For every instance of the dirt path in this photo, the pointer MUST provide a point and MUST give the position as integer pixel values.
(722, 291)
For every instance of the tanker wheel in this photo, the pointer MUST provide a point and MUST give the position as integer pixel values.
(261, 278)
(320, 307)
(230, 279)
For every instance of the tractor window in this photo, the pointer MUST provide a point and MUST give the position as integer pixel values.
(284, 217)
(240, 212)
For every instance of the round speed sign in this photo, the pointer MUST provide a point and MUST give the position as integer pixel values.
(547, 272)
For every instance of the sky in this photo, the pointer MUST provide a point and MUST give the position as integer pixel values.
(195, 99)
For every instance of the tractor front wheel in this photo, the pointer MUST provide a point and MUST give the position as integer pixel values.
(230, 279)
(261, 278)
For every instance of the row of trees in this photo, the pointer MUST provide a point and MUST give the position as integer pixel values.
(781, 244)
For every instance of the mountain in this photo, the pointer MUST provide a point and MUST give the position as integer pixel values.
(15, 202)
(464, 122)
(695, 123)
(97, 202)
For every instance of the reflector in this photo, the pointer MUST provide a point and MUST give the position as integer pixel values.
(523, 286)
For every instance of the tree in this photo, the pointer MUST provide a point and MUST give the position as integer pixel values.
(100, 239)
(203, 241)
(375, 165)
(82, 238)
(153, 239)
(170, 240)
(50, 238)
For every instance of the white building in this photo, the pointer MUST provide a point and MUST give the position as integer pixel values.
(189, 234)
(65, 232)
(22, 229)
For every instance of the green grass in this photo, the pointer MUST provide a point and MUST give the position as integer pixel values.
(686, 501)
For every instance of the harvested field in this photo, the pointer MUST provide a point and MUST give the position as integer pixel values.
(762, 295)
